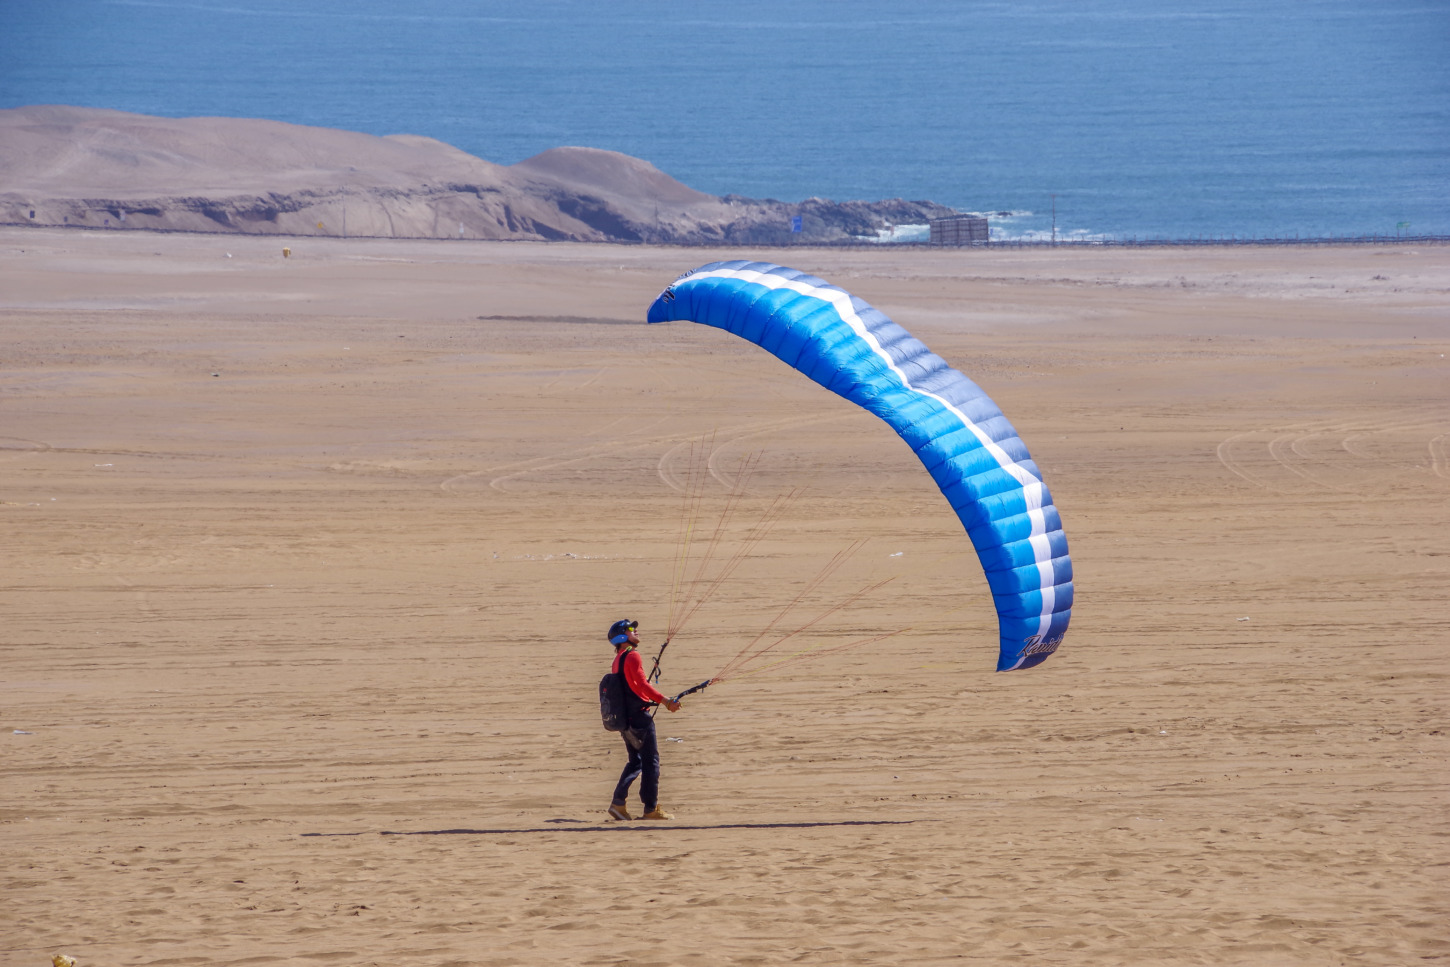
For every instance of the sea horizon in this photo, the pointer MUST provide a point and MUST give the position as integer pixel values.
(1127, 121)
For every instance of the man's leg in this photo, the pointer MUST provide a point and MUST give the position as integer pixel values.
(649, 759)
(632, 767)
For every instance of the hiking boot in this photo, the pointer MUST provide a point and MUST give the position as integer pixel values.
(657, 813)
(619, 812)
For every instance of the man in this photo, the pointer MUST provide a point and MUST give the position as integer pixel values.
(640, 744)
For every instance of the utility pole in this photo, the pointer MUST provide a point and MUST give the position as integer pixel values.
(1054, 219)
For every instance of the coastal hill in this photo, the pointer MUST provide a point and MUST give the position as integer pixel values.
(68, 166)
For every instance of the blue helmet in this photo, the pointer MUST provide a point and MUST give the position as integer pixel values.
(619, 631)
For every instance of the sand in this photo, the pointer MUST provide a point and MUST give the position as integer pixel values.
(309, 561)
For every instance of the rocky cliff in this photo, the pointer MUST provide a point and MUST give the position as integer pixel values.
(107, 169)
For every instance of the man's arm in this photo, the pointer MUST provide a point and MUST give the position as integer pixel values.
(639, 684)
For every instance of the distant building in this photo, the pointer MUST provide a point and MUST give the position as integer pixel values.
(959, 230)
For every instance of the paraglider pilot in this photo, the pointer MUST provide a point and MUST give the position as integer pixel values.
(640, 743)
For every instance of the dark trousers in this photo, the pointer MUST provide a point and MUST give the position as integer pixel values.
(644, 761)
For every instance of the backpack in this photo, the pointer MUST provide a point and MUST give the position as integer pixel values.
(614, 695)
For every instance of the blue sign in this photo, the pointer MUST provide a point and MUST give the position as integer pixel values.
(795, 223)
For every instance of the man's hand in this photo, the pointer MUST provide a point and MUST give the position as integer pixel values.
(671, 704)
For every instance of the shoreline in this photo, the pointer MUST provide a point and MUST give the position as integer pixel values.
(848, 244)
(69, 167)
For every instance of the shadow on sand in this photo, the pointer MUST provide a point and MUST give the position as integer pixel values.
(565, 827)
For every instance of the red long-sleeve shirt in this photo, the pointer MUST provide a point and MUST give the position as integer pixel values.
(635, 677)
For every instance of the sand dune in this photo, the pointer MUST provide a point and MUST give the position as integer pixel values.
(309, 562)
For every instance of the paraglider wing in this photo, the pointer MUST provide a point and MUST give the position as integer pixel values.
(960, 435)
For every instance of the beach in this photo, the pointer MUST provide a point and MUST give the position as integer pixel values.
(310, 560)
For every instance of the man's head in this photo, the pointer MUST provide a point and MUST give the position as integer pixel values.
(622, 632)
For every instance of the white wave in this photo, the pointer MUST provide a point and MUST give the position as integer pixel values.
(1046, 235)
(900, 233)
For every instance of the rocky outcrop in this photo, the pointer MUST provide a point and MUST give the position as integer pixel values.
(107, 169)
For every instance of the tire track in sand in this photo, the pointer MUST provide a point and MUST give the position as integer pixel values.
(1360, 459)
(670, 474)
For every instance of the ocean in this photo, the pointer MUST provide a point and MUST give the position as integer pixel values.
(1103, 118)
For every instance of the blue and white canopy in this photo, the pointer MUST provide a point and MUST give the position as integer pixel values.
(960, 435)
